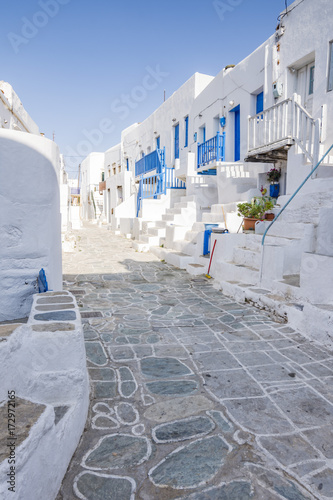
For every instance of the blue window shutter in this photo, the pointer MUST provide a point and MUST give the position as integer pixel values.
(127, 164)
(203, 134)
(158, 142)
(177, 141)
(260, 103)
(186, 132)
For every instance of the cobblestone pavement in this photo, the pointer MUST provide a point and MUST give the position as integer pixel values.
(193, 396)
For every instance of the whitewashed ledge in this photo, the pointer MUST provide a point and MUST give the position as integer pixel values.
(44, 362)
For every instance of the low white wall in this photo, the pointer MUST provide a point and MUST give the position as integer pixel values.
(44, 362)
(30, 221)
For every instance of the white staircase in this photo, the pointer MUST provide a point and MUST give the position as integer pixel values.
(297, 264)
(154, 233)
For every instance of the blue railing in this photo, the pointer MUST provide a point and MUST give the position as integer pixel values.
(150, 162)
(153, 186)
(213, 149)
(171, 181)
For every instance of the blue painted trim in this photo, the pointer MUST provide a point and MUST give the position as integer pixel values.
(127, 164)
(236, 110)
(260, 103)
(186, 132)
(158, 142)
(176, 141)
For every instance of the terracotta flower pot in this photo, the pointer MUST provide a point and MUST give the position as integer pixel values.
(269, 216)
(249, 223)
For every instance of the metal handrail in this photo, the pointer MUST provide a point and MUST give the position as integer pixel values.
(285, 206)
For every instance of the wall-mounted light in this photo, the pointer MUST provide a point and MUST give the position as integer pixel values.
(174, 119)
(155, 132)
(6, 121)
(231, 103)
(292, 70)
(200, 115)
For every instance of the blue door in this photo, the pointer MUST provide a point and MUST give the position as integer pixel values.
(177, 141)
(236, 112)
(158, 142)
(260, 103)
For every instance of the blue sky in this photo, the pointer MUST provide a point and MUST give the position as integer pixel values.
(72, 61)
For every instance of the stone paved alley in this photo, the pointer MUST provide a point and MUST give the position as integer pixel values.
(193, 396)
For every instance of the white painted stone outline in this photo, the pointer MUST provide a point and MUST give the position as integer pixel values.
(144, 459)
(188, 419)
(121, 382)
(110, 410)
(138, 432)
(137, 416)
(202, 483)
(104, 415)
(109, 476)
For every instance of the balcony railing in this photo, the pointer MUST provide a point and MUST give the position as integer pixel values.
(211, 150)
(153, 161)
(286, 122)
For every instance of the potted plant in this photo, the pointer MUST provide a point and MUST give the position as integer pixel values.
(254, 211)
(273, 176)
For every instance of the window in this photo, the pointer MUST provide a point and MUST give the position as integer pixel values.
(330, 69)
(186, 132)
(102, 176)
(119, 168)
(127, 164)
(158, 142)
(311, 80)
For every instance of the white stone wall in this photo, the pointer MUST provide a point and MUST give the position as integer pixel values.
(30, 222)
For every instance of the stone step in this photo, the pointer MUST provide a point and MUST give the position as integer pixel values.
(173, 211)
(151, 240)
(184, 204)
(196, 269)
(168, 217)
(157, 231)
(198, 226)
(188, 198)
(178, 259)
(140, 246)
(213, 218)
(160, 224)
(185, 247)
(192, 236)
(244, 256)
(159, 252)
(231, 271)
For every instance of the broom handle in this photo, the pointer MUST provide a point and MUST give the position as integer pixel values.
(211, 257)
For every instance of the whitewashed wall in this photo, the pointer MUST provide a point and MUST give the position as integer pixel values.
(30, 222)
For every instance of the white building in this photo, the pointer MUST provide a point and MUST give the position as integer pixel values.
(221, 136)
(92, 202)
(30, 221)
